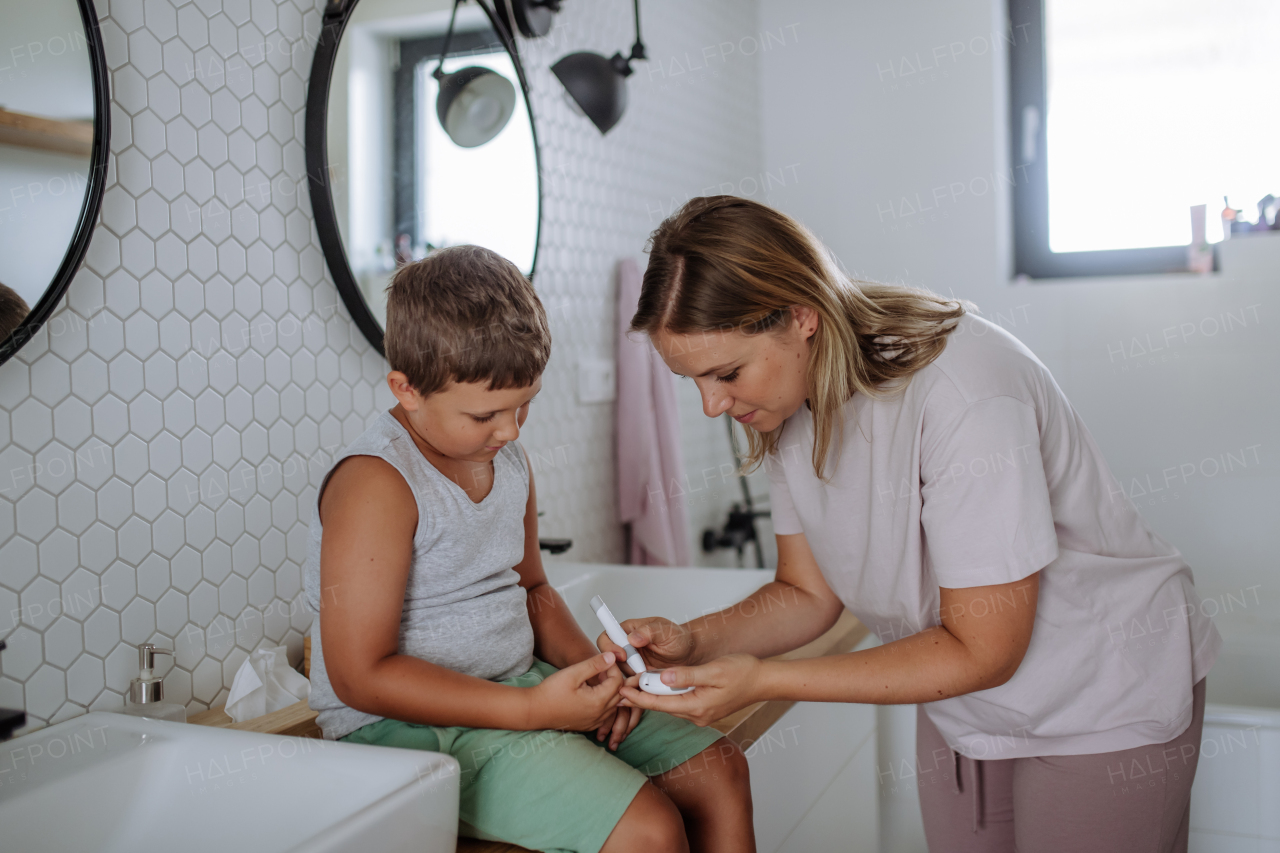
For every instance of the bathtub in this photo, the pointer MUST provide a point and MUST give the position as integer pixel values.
(1235, 802)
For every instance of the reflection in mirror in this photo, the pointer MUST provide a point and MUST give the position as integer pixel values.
(401, 187)
(46, 143)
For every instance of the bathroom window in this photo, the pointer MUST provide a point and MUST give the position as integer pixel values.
(446, 195)
(1125, 114)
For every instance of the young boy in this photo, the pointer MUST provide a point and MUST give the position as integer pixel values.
(437, 629)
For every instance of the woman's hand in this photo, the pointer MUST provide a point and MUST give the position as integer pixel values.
(721, 687)
(661, 642)
(578, 698)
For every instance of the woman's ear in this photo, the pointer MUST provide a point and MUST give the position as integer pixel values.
(403, 391)
(806, 320)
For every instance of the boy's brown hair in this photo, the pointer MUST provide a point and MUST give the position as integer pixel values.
(465, 314)
(13, 310)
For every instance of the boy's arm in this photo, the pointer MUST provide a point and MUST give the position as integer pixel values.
(557, 638)
(369, 517)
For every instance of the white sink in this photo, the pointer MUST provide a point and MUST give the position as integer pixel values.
(112, 782)
(635, 591)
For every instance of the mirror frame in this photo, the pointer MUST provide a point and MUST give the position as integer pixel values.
(95, 188)
(336, 15)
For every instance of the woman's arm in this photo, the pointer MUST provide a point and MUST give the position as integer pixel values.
(795, 608)
(784, 614)
(983, 637)
(984, 634)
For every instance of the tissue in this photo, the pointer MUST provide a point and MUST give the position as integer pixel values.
(265, 683)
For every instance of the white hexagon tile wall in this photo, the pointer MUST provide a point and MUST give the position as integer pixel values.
(164, 434)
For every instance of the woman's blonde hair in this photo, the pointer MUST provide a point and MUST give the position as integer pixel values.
(724, 263)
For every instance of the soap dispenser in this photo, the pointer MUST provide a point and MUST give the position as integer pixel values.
(146, 692)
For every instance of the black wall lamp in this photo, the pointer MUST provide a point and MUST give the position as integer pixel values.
(475, 103)
(533, 18)
(597, 85)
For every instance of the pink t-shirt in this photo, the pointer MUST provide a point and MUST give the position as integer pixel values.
(981, 473)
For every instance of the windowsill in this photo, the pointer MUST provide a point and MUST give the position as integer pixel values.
(1244, 258)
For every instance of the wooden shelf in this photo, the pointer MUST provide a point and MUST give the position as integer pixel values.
(46, 134)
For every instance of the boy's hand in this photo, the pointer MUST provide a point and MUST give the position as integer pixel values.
(624, 720)
(568, 700)
(661, 642)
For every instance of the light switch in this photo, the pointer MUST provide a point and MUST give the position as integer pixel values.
(597, 382)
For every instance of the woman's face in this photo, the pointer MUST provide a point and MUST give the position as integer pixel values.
(758, 379)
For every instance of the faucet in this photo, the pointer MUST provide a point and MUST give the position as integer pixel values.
(10, 721)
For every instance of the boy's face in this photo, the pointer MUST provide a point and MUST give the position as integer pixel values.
(465, 420)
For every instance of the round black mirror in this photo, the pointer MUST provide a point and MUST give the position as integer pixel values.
(403, 161)
(54, 138)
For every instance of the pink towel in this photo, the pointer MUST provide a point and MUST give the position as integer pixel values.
(648, 440)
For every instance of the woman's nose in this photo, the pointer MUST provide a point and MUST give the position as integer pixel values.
(715, 403)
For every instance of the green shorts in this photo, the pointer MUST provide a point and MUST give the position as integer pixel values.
(558, 792)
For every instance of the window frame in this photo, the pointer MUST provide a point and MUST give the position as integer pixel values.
(1028, 92)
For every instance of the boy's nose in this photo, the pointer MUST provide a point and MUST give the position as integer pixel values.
(507, 430)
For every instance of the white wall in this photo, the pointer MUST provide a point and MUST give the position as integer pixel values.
(886, 101)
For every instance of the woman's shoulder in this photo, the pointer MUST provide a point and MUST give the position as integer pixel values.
(983, 360)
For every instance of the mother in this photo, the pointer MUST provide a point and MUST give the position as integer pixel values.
(927, 473)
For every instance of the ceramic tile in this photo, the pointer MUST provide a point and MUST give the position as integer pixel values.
(164, 97)
(146, 416)
(37, 514)
(167, 534)
(77, 508)
(161, 375)
(102, 631)
(73, 421)
(46, 690)
(153, 577)
(206, 680)
(59, 555)
(32, 425)
(98, 547)
(63, 642)
(40, 604)
(85, 679)
(133, 541)
(131, 459)
(126, 378)
(203, 603)
(138, 622)
(149, 499)
(115, 502)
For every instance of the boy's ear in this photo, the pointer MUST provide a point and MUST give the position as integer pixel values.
(403, 391)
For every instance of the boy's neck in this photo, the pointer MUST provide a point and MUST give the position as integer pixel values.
(461, 471)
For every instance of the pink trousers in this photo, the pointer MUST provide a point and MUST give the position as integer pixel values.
(1134, 800)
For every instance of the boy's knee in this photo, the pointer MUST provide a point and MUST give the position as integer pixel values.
(736, 769)
(652, 823)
